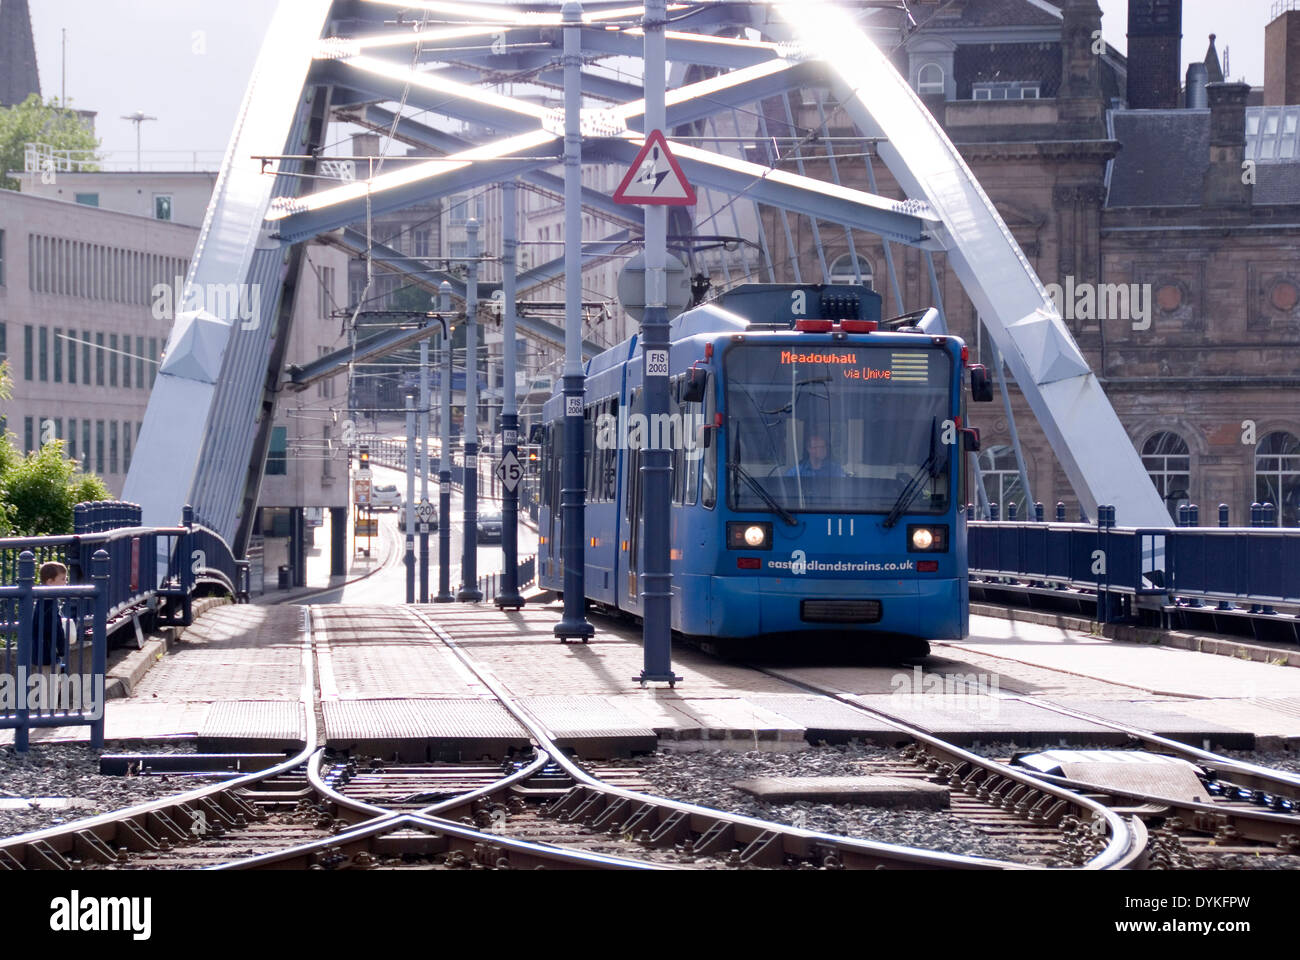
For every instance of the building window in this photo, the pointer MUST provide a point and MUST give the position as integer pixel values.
(1168, 463)
(1277, 475)
(99, 447)
(112, 359)
(88, 199)
(2, 258)
(1001, 476)
(461, 207)
(139, 361)
(325, 292)
(930, 79)
(43, 357)
(842, 271)
(112, 446)
(4, 342)
(72, 438)
(126, 361)
(126, 446)
(72, 356)
(28, 434)
(277, 459)
(1010, 90)
(162, 206)
(85, 357)
(58, 355)
(153, 355)
(85, 446)
(421, 243)
(28, 336)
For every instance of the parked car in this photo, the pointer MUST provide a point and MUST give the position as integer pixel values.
(489, 526)
(385, 497)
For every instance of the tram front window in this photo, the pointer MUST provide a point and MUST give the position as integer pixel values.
(833, 429)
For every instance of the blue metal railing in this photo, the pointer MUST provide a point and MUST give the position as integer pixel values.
(54, 651)
(1169, 569)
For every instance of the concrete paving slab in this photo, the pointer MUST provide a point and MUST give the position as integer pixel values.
(965, 719)
(237, 725)
(418, 730)
(872, 791)
(592, 726)
(1168, 719)
(829, 721)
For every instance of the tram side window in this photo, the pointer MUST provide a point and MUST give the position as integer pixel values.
(609, 457)
(633, 459)
(589, 414)
(709, 471)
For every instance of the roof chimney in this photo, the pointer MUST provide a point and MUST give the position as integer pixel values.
(1155, 33)
(1197, 78)
(1282, 55)
(1225, 183)
(1079, 100)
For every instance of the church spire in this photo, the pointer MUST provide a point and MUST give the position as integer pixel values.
(18, 74)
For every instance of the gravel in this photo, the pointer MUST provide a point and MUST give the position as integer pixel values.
(706, 778)
(72, 771)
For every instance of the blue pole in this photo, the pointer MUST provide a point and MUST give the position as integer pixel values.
(509, 595)
(409, 507)
(469, 591)
(656, 459)
(99, 643)
(574, 625)
(26, 581)
(444, 458)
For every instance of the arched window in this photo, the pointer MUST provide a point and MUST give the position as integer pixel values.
(1277, 475)
(930, 79)
(842, 270)
(1169, 465)
(1001, 475)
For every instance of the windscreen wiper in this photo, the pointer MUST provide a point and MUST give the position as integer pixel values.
(762, 492)
(928, 469)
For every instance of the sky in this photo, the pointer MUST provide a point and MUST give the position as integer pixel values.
(187, 62)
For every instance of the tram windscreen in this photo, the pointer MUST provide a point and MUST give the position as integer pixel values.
(838, 429)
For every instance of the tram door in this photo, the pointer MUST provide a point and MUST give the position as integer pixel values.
(634, 513)
(555, 444)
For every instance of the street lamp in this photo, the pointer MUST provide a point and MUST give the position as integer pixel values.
(138, 118)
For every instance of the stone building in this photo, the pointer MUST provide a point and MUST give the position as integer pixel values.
(1162, 215)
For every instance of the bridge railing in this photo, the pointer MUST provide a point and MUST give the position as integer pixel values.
(54, 651)
(1163, 569)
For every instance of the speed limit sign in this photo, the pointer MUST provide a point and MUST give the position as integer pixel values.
(510, 471)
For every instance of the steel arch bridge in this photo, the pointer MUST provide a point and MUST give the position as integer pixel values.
(377, 63)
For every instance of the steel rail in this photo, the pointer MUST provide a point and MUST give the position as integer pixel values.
(1124, 848)
(768, 843)
(139, 826)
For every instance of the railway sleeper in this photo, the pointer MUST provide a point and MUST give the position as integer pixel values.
(47, 858)
(640, 816)
(721, 835)
(993, 781)
(9, 862)
(611, 817)
(590, 806)
(162, 824)
(765, 850)
(571, 798)
(134, 837)
(672, 830)
(89, 846)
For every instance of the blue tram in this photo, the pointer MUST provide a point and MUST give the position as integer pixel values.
(817, 470)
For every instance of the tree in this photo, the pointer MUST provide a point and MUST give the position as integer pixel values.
(34, 121)
(8, 458)
(43, 487)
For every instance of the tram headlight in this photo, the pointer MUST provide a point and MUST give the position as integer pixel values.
(927, 538)
(749, 536)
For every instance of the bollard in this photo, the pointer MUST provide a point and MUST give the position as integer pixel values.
(1011, 511)
(1223, 515)
(1193, 516)
(1182, 516)
(970, 511)
(993, 511)
(1256, 514)
(1060, 511)
(1270, 515)
(1038, 512)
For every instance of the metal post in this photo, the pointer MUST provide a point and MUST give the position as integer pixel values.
(422, 423)
(469, 591)
(26, 611)
(99, 644)
(409, 558)
(444, 456)
(509, 595)
(656, 460)
(574, 624)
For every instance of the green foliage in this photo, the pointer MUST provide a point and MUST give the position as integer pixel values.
(41, 489)
(33, 121)
(413, 298)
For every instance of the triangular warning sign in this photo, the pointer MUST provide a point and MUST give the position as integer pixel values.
(655, 178)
